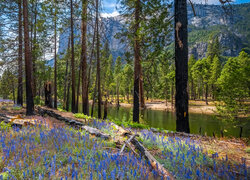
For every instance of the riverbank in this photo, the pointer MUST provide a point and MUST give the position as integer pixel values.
(198, 107)
(235, 149)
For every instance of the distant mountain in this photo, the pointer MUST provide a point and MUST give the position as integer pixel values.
(233, 30)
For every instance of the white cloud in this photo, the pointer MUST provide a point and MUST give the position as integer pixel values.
(206, 1)
(109, 5)
(113, 14)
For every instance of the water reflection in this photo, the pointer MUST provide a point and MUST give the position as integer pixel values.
(167, 120)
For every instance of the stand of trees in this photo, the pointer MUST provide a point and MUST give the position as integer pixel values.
(150, 69)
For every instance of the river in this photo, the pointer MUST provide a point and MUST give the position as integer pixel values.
(167, 120)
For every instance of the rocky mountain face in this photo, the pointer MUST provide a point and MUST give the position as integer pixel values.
(231, 26)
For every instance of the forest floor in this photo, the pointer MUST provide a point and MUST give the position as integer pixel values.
(226, 151)
(198, 106)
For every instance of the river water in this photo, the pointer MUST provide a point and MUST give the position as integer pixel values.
(167, 120)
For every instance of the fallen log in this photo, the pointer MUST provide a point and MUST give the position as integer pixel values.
(120, 130)
(51, 113)
(16, 121)
(96, 132)
(153, 162)
(127, 142)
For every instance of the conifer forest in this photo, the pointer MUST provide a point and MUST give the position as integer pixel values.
(124, 89)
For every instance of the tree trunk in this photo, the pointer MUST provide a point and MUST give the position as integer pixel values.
(105, 109)
(166, 96)
(142, 100)
(192, 89)
(28, 62)
(73, 103)
(78, 88)
(181, 63)
(48, 92)
(34, 52)
(55, 64)
(93, 103)
(66, 78)
(98, 62)
(20, 55)
(68, 94)
(85, 100)
(136, 109)
(117, 94)
(206, 93)
(128, 96)
(172, 94)
(90, 67)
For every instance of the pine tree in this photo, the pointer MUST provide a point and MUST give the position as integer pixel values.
(20, 56)
(85, 100)
(28, 61)
(215, 74)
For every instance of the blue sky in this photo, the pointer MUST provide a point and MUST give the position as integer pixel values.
(109, 6)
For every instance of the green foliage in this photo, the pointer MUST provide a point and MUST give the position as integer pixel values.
(5, 126)
(16, 108)
(234, 87)
(82, 116)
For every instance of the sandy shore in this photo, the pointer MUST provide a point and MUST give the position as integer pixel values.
(198, 107)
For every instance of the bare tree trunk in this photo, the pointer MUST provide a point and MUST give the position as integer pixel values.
(136, 109)
(172, 95)
(20, 56)
(105, 109)
(206, 93)
(93, 103)
(34, 46)
(55, 63)
(166, 96)
(28, 62)
(68, 95)
(98, 62)
(117, 94)
(73, 103)
(48, 92)
(192, 89)
(66, 78)
(181, 63)
(85, 100)
(78, 88)
(142, 100)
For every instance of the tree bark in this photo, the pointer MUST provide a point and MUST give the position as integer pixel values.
(28, 62)
(48, 92)
(55, 63)
(206, 93)
(181, 63)
(66, 78)
(34, 46)
(85, 100)
(68, 94)
(98, 62)
(20, 56)
(136, 109)
(78, 88)
(117, 94)
(73, 103)
(93, 103)
(105, 109)
(142, 100)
